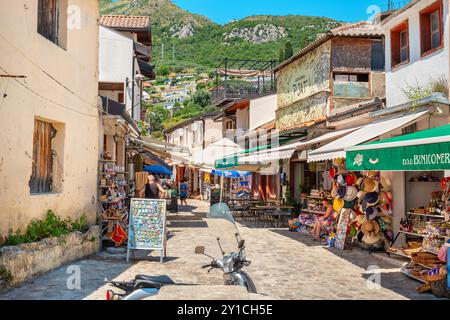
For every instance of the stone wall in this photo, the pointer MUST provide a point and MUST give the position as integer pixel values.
(25, 261)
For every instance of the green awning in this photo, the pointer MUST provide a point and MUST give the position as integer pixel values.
(233, 160)
(423, 150)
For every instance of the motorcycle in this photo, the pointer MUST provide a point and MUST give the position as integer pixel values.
(230, 264)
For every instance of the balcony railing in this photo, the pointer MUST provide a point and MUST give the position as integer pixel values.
(243, 79)
(230, 90)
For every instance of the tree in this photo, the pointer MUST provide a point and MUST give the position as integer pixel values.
(202, 98)
(155, 116)
(163, 70)
(281, 55)
(288, 50)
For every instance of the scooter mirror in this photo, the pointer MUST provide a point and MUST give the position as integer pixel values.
(200, 250)
(241, 244)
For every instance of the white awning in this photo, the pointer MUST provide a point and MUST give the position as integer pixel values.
(336, 149)
(286, 151)
(215, 151)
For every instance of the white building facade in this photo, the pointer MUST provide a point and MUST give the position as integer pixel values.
(416, 48)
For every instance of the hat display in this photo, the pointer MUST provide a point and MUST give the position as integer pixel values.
(359, 182)
(350, 193)
(389, 235)
(386, 183)
(371, 213)
(341, 191)
(334, 192)
(332, 172)
(360, 219)
(360, 236)
(371, 238)
(369, 185)
(349, 204)
(351, 179)
(338, 204)
(372, 199)
(370, 227)
(341, 180)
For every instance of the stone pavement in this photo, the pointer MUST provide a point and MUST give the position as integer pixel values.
(284, 266)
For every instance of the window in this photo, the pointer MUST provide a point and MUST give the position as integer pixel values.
(351, 85)
(347, 77)
(230, 125)
(431, 29)
(52, 17)
(42, 174)
(400, 44)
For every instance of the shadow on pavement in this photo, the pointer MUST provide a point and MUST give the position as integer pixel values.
(374, 270)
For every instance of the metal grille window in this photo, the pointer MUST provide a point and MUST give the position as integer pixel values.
(42, 175)
(48, 19)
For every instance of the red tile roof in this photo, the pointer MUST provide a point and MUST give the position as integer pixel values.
(122, 22)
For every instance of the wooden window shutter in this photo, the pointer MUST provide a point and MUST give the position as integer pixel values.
(48, 19)
(41, 177)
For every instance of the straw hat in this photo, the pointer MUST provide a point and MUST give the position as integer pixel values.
(386, 183)
(350, 193)
(371, 238)
(359, 220)
(370, 226)
(338, 204)
(369, 185)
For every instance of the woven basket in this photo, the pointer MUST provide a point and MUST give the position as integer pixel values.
(439, 288)
(436, 278)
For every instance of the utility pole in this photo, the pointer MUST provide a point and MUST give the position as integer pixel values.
(162, 51)
(173, 52)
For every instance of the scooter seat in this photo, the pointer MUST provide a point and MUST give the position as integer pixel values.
(155, 279)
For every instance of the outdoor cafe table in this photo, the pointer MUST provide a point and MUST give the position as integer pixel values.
(278, 211)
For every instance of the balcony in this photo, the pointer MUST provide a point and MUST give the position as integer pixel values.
(243, 79)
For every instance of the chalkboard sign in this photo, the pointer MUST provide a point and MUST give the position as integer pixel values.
(341, 232)
(147, 230)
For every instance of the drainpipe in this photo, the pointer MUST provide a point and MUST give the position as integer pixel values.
(203, 133)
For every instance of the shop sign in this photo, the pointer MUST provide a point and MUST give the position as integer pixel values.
(147, 230)
(305, 76)
(408, 158)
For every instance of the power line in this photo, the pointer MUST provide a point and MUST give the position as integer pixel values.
(49, 75)
(50, 100)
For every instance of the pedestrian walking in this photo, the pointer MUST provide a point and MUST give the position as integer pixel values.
(183, 192)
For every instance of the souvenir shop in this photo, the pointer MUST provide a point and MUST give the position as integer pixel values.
(342, 208)
(415, 167)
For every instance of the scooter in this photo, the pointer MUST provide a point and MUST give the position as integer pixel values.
(231, 266)
(140, 288)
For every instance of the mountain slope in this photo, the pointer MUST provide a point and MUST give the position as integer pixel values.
(195, 40)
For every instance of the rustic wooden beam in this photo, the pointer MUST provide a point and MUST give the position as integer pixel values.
(11, 76)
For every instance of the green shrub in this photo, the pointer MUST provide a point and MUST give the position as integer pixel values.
(15, 238)
(5, 275)
(80, 224)
(52, 226)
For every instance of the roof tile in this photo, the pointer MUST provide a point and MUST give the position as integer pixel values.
(125, 22)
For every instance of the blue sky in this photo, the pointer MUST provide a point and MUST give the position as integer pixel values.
(222, 11)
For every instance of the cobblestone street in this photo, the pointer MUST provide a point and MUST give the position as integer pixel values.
(284, 266)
